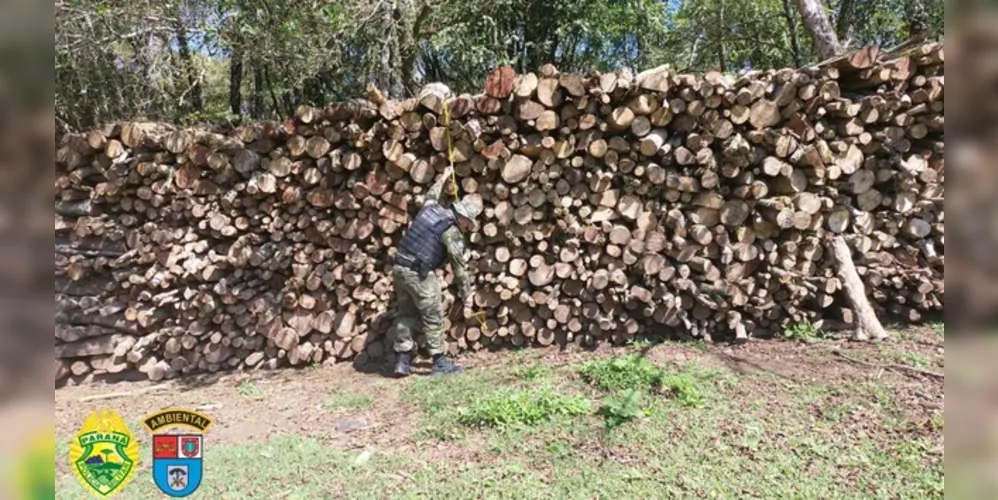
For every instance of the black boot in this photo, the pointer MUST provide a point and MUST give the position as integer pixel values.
(402, 368)
(442, 365)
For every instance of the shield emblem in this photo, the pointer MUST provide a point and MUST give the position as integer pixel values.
(190, 446)
(177, 464)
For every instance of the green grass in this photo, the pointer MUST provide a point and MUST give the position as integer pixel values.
(630, 371)
(532, 372)
(913, 359)
(939, 327)
(517, 408)
(632, 377)
(531, 432)
(249, 390)
(683, 388)
(341, 400)
(440, 399)
(624, 408)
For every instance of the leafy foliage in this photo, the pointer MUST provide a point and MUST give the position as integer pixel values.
(805, 332)
(683, 388)
(518, 408)
(626, 372)
(218, 60)
(627, 406)
(532, 372)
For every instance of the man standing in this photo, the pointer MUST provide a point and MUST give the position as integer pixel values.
(432, 238)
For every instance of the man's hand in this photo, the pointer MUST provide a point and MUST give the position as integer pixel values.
(469, 301)
(448, 172)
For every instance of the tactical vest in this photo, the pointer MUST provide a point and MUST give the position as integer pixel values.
(422, 239)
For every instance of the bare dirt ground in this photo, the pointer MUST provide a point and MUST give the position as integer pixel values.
(350, 409)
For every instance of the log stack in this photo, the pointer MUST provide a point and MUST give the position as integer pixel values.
(615, 205)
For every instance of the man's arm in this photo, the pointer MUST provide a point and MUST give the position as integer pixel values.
(454, 243)
(433, 195)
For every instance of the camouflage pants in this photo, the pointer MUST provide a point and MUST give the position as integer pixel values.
(419, 302)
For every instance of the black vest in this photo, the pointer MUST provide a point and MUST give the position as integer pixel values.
(422, 239)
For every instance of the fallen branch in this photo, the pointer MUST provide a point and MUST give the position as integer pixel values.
(891, 366)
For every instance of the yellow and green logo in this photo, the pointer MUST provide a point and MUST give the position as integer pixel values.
(104, 454)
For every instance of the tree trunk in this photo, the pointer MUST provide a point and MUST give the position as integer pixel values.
(385, 76)
(844, 20)
(409, 50)
(193, 80)
(722, 56)
(788, 11)
(236, 82)
(817, 24)
(273, 95)
(257, 111)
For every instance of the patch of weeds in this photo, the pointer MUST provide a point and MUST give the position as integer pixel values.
(626, 372)
(557, 449)
(803, 332)
(348, 401)
(440, 430)
(437, 394)
(883, 396)
(911, 457)
(939, 327)
(521, 354)
(518, 408)
(532, 372)
(440, 399)
(912, 359)
(621, 409)
(835, 412)
(683, 388)
(881, 399)
(699, 345)
(249, 390)
(642, 343)
(937, 422)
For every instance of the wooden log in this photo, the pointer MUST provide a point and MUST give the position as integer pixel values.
(868, 327)
(613, 204)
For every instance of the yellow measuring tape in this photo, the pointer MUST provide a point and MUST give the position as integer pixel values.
(450, 149)
(480, 317)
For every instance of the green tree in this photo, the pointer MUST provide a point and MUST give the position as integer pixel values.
(217, 60)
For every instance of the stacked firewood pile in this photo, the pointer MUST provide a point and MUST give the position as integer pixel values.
(615, 205)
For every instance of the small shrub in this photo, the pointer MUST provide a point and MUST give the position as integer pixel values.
(557, 449)
(618, 410)
(626, 372)
(683, 388)
(642, 343)
(506, 408)
(532, 372)
(249, 390)
(805, 332)
(912, 359)
(937, 422)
